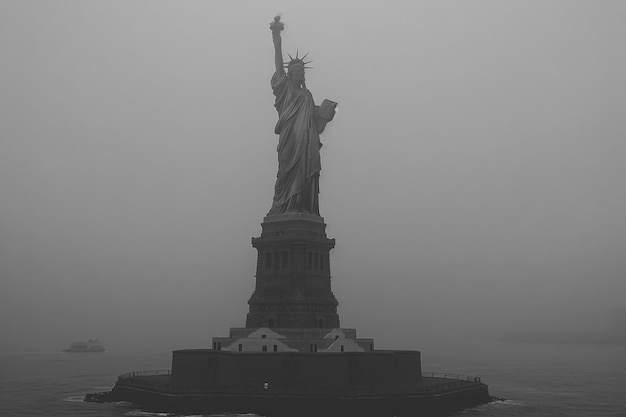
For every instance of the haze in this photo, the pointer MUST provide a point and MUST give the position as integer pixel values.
(473, 176)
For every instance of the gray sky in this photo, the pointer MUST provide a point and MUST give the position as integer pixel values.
(473, 176)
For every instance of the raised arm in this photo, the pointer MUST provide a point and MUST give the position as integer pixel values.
(276, 27)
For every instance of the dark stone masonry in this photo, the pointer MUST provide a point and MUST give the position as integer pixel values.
(293, 275)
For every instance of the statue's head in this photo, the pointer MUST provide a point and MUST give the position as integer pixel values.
(296, 67)
(296, 71)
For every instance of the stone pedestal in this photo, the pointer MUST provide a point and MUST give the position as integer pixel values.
(293, 275)
(293, 308)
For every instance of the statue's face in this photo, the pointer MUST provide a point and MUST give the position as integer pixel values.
(296, 73)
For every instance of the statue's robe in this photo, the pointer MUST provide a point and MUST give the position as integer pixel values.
(297, 183)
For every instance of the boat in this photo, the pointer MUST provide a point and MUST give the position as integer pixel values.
(92, 345)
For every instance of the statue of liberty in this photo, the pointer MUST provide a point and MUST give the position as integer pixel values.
(299, 125)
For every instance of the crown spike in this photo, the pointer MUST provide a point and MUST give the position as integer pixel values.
(297, 60)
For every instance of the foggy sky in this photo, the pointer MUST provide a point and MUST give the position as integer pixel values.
(473, 176)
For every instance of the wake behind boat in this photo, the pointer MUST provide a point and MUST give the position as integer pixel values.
(85, 347)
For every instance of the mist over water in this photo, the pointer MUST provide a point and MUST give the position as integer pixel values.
(473, 175)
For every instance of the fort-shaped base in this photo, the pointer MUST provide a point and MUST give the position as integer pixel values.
(380, 384)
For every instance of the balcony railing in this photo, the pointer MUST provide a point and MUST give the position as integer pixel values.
(144, 373)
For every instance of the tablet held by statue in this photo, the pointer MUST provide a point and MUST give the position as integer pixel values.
(324, 113)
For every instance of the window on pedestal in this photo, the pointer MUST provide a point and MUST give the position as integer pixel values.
(317, 261)
(277, 260)
(285, 259)
(268, 260)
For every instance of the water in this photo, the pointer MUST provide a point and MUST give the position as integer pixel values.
(538, 380)
(541, 379)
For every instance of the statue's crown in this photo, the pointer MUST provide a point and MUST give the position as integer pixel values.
(297, 61)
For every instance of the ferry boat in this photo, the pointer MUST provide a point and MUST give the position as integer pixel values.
(92, 345)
